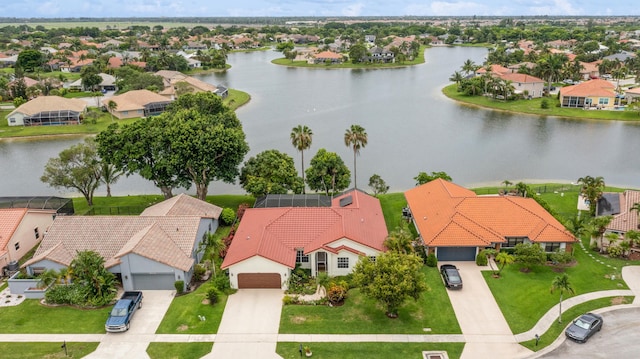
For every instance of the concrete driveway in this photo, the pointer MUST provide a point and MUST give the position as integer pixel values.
(484, 328)
(133, 343)
(249, 326)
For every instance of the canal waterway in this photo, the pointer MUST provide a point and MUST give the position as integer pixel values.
(411, 127)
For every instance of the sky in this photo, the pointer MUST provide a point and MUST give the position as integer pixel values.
(292, 8)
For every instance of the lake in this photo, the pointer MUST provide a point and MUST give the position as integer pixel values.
(411, 127)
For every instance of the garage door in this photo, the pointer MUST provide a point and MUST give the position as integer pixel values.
(456, 253)
(259, 280)
(148, 281)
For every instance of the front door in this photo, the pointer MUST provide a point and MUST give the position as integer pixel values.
(321, 262)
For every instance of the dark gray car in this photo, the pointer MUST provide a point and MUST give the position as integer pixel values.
(584, 327)
(451, 276)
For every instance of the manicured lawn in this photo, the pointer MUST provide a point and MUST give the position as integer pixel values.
(78, 94)
(392, 204)
(40, 350)
(289, 350)
(30, 317)
(533, 107)
(525, 297)
(557, 329)
(361, 315)
(179, 350)
(182, 317)
(236, 99)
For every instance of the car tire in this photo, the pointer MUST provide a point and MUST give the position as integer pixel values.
(139, 305)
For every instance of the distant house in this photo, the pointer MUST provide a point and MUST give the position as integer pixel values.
(619, 206)
(20, 230)
(174, 79)
(150, 251)
(108, 83)
(137, 103)
(7, 61)
(326, 56)
(456, 224)
(325, 237)
(523, 84)
(632, 95)
(596, 93)
(381, 55)
(48, 110)
(493, 69)
(590, 70)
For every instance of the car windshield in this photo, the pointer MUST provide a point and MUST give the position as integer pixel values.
(453, 276)
(119, 312)
(582, 324)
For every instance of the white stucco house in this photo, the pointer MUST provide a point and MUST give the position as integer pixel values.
(270, 242)
(20, 230)
(150, 251)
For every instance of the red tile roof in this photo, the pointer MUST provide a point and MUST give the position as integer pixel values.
(276, 233)
(626, 220)
(595, 88)
(449, 215)
(522, 78)
(10, 218)
(328, 55)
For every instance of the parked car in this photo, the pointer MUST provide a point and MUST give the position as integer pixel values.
(120, 317)
(584, 327)
(451, 276)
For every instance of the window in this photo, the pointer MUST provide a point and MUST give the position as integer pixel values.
(36, 232)
(17, 245)
(300, 257)
(603, 101)
(512, 241)
(372, 259)
(12, 120)
(343, 262)
(551, 247)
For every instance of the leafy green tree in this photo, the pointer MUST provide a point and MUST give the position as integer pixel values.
(503, 259)
(90, 77)
(285, 46)
(29, 60)
(391, 280)
(301, 138)
(270, 172)
(592, 189)
(561, 283)
(77, 167)
(133, 78)
(529, 254)
(400, 240)
(356, 138)
(97, 284)
(378, 185)
(357, 53)
(327, 173)
(424, 177)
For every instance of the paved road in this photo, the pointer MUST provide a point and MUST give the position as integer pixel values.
(619, 338)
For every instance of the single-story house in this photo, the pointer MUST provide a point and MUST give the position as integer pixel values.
(595, 93)
(326, 56)
(619, 206)
(456, 224)
(150, 251)
(48, 110)
(590, 70)
(174, 79)
(632, 95)
(137, 103)
(20, 230)
(523, 84)
(270, 242)
(108, 83)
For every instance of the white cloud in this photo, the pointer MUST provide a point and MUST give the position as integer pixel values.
(557, 7)
(445, 8)
(353, 9)
(49, 8)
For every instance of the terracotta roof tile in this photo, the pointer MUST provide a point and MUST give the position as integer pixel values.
(450, 215)
(10, 218)
(136, 100)
(50, 103)
(183, 205)
(626, 220)
(597, 87)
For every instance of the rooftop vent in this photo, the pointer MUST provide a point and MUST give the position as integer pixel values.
(346, 201)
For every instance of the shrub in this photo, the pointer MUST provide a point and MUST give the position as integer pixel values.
(198, 272)
(221, 282)
(212, 294)
(65, 294)
(323, 280)
(227, 217)
(615, 251)
(432, 260)
(288, 300)
(179, 284)
(544, 104)
(561, 257)
(337, 292)
(481, 259)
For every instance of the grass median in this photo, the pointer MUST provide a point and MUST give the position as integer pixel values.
(179, 350)
(288, 350)
(49, 350)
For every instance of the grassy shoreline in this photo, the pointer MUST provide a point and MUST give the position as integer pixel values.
(533, 107)
(348, 65)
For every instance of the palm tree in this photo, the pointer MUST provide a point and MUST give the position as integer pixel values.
(400, 240)
(456, 77)
(562, 284)
(110, 175)
(112, 106)
(356, 138)
(503, 259)
(469, 66)
(596, 228)
(592, 188)
(301, 137)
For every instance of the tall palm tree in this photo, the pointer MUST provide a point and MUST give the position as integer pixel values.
(301, 137)
(400, 240)
(469, 66)
(356, 138)
(503, 259)
(112, 106)
(562, 284)
(592, 188)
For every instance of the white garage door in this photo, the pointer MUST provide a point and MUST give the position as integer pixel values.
(149, 281)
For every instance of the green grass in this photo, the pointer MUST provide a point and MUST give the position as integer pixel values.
(533, 107)
(392, 204)
(361, 315)
(78, 94)
(289, 350)
(38, 350)
(557, 329)
(182, 315)
(179, 350)
(236, 99)
(525, 297)
(51, 320)
(348, 65)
